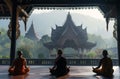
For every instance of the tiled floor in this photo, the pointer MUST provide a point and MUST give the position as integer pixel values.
(42, 72)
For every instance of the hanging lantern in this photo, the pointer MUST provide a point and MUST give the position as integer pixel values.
(9, 32)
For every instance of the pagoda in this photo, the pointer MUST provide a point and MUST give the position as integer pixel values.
(69, 36)
(31, 33)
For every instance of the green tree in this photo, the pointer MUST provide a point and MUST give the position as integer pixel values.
(26, 46)
(26, 52)
(45, 38)
(4, 43)
(91, 54)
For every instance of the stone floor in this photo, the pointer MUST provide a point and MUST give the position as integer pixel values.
(42, 72)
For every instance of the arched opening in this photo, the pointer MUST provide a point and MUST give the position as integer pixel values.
(90, 48)
(43, 21)
(90, 19)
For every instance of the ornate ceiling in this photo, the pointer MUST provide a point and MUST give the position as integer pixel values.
(108, 7)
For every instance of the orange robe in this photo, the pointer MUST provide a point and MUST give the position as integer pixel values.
(106, 67)
(19, 67)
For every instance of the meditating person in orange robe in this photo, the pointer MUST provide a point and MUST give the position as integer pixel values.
(105, 66)
(19, 66)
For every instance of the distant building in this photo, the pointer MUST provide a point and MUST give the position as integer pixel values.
(69, 35)
(31, 33)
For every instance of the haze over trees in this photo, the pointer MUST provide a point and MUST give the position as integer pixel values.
(43, 24)
(36, 49)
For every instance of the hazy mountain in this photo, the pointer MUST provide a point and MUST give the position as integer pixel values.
(43, 23)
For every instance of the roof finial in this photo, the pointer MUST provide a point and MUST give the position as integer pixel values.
(69, 16)
(68, 13)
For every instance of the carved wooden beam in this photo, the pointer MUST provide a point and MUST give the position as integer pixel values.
(67, 2)
(23, 11)
(24, 18)
(110, 14)
(20, 9)
(2, 10)
(9, 4)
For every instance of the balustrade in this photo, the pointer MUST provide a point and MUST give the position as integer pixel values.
(77, 62)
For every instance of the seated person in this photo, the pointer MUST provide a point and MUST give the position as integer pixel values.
(19, 66)
(59, 68)
(106, 66)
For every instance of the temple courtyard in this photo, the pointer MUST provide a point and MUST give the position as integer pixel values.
(42, 72)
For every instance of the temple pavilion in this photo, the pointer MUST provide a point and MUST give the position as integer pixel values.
(69, 35)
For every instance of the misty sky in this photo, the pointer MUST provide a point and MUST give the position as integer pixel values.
(95, 21)
(96, 14)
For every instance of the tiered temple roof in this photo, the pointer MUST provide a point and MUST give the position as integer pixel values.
(69, 35)
(31, 33)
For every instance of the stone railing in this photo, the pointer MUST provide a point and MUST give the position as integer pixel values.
(77, 62)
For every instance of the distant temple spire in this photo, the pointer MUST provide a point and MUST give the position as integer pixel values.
(69, 22)
(31, 33)
(69, 16)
